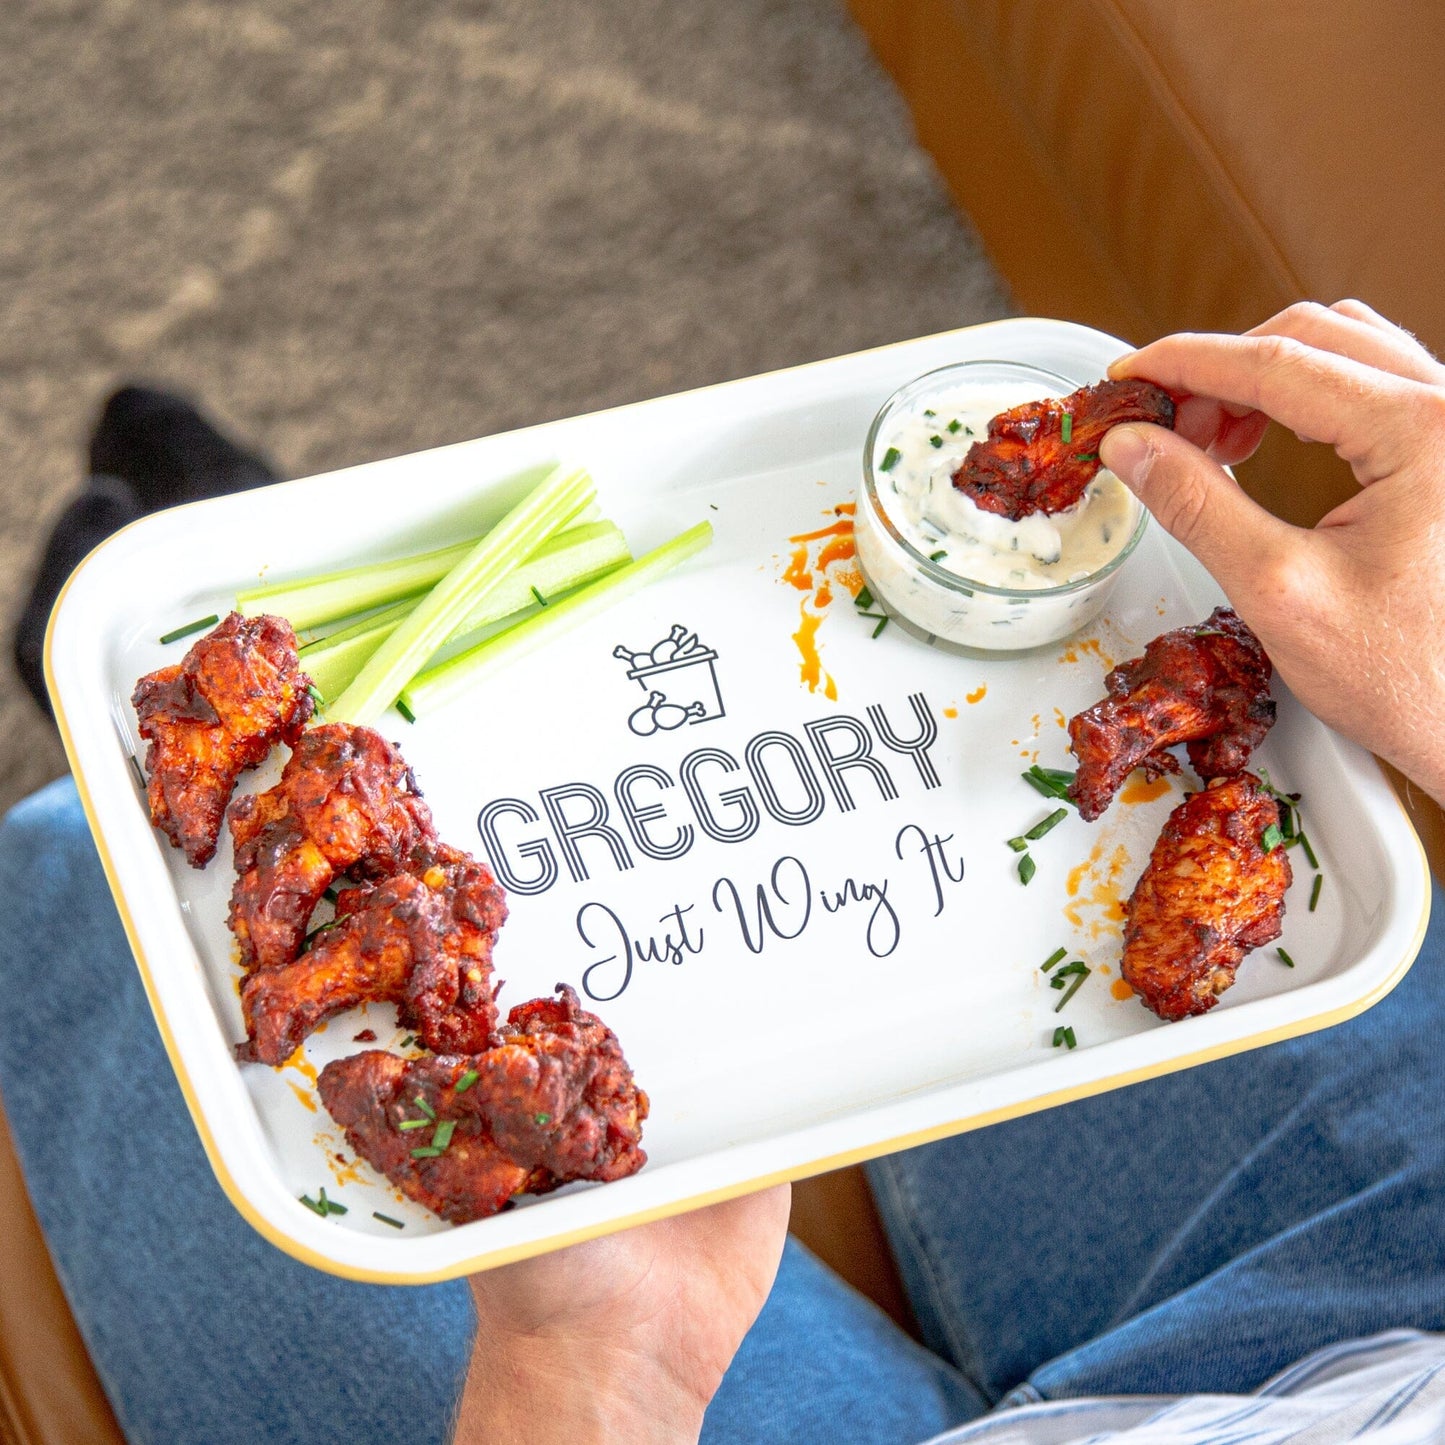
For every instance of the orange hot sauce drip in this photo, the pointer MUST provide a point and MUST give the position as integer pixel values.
(820, 562)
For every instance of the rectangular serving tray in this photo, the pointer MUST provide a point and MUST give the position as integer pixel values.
(786, 886)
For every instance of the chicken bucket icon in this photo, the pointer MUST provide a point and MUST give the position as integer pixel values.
(678, 676)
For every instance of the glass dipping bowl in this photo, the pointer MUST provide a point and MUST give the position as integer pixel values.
(940, 605)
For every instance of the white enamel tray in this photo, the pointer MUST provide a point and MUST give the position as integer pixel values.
(881, 1001)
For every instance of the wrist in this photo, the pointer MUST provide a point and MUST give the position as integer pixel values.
(542, 1390)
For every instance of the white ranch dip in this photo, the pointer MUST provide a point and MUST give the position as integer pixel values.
(994, 584)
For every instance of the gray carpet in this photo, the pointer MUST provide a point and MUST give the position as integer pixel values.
(354, 228)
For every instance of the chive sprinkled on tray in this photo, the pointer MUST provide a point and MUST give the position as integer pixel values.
(541, 601)
(1086, 456)
(443, 1135)
(1068, 427)
(426, 1151)
(882, 623)
(864, 600)
(890, 459)
(1057, 956)
(1284, 958)
(937, 556)
(1078, 971)
(1019, 844)
(414, 1124)
(467, 1080)
(1027, 869)
(1051, 782)
(1064, 1035)
(135, 767)
(954, 426)
(1315, 890)
(1048, 824)
(387, 1219)
(426, 1108)
(542, 1118)
(1309, 852)
(935, 441)
(198, 626)
(404, 710)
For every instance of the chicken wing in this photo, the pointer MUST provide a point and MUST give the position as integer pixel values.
(235, 694)
(346, 801)
(1212, 891)
(1207, 686)
(421, 940)
(1039, 457)
(554, 1101)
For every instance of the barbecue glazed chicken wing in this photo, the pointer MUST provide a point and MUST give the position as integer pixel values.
(1211, 892)
(421, 940)
(237, 692)
(554, 1101)
(1025, 464)
(1207, 686)
(346, 801)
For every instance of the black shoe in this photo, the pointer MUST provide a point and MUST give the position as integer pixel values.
(150, 451)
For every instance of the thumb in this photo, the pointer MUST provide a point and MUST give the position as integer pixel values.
(1197, 502)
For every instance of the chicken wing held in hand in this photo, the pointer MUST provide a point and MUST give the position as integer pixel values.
(421, 940)
(346, 800)
(1207, 686)
(554, 1101)
(1041, 456)
(1211, 892)
(235, 694)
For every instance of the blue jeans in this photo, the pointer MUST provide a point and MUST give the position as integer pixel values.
(1194, 1233)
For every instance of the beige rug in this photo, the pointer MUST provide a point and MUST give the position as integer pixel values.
(355, 228)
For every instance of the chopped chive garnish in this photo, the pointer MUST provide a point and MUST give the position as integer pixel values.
(928, 412)
(541, 601)
(315, 694)
(313, 1206)
(937, 556)
(1068, 427)
(1057, 956)
(444, 1132)
(332, 893)
(1064, 1035)
(1309, 852)
(425, 1107)
(387, 1219)
(1086, 456)
(1027, 869)
(1284, 958)
(427, 1151)
(408, 1041)
(1286, 822)
(191, 627)
(140, 777)
(543, 1118)
(1081, 972)
(1271, 838)
(882, 623)
(414, 1124)
(954, 426)
(864, 600)
(1315, 890)
(330, 1206)
(935, 440)
(1019, 844)
(404, 710)
(890, 459)
(467, 1080)
(1051, 782)
(1049, 823)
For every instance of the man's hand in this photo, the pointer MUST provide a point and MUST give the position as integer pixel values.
(622, 1338)
(1352, 612)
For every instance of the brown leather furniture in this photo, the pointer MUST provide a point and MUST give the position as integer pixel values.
(1143, 166)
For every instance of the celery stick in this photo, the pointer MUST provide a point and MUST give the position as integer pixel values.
(568, 560)
(543, 512)
(440, 684)
(314, 601)
(309, 602)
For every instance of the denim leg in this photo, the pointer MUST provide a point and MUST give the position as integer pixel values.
(200, 1330)
(1197, 1232)
(824, 1364)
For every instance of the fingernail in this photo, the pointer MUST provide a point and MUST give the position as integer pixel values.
(1128, 453)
